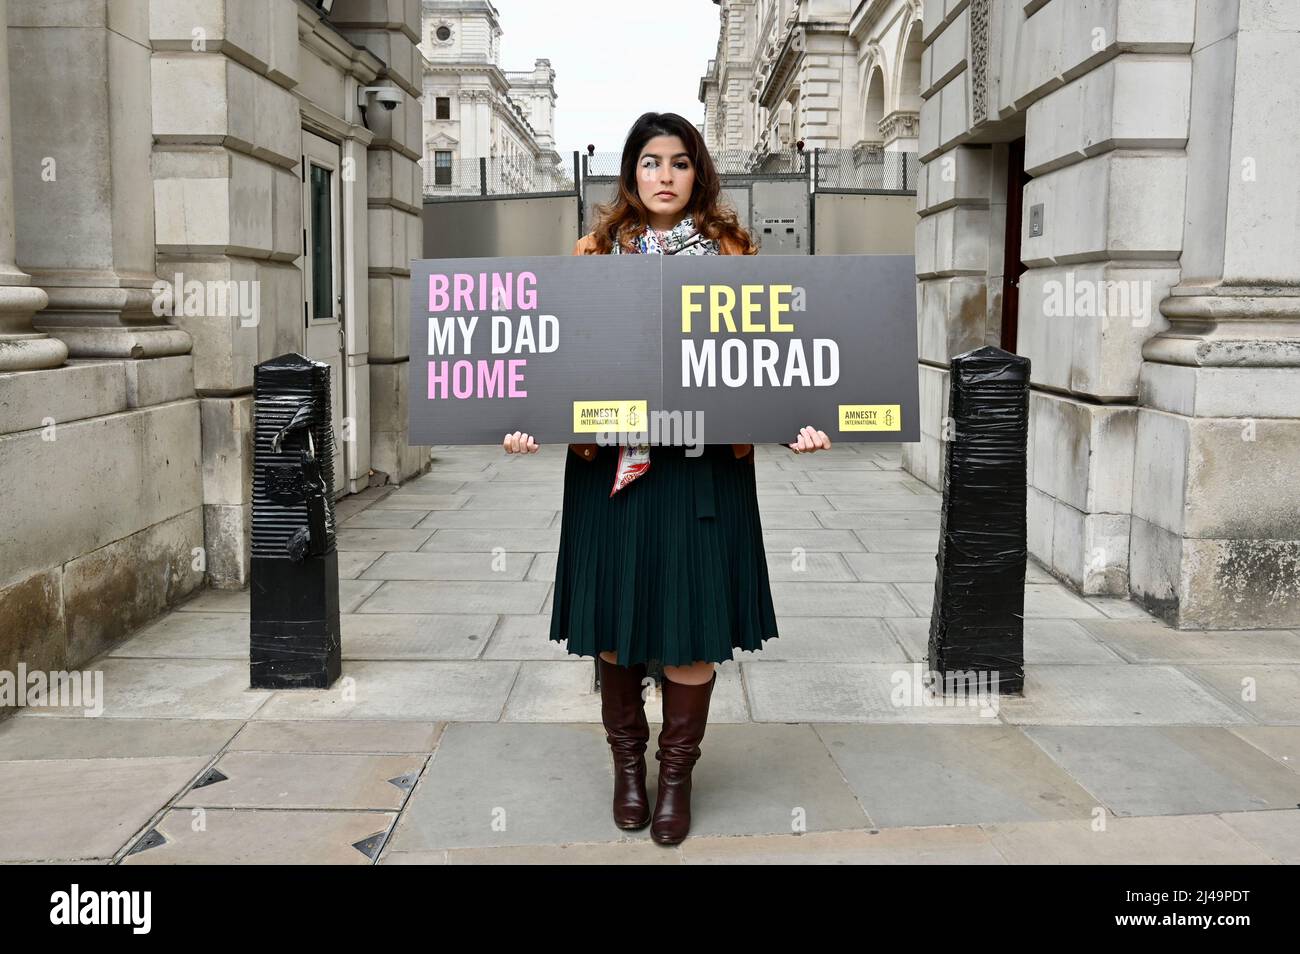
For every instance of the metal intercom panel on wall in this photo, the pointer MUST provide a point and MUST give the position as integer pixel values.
(780, 216)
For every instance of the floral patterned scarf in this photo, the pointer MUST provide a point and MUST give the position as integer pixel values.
(681, 239)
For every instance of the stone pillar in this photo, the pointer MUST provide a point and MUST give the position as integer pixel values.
(81, 95)
(392, 207)
(1216, 511)
(21, 348)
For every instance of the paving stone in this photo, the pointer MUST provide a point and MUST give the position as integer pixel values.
(899, 541)
(435, 484)
(210, 635)
(621, 853)
(1276, 834)
(382, 539)
(838, 599)
(217, 601)
(832, 639)
(1114, 695)
(1176, 840)
(846, 692)
(374, 519)
(1169, 770)
(893, 567)
(869, 521)
(23, 737)
(876, 502)
(354, 593)
(65, 809)
(306, 780)
(1150, 641)
(808, 566)
(485, 540)
(788, 520)
(411, 691)
(450, 566)
(477, 596)
(772, 503)
(1117, 608)
(891, 846)
(911, 775)
(512, 784)
(414, 635)
(431, 503)
(1042, 601)
(810, 537)
(508, 499)
(367, 738)
(542, 569)
(526, 637)
(352, 562)
(1281, 742)
(171, 689)
(488, 519)
(1275, 689)
(549, 691)
(244, 837)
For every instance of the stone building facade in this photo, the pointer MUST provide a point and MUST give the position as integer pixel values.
(187, 188)
(1109, 189)
(474, 109)
(1106, 188)
(838, 74)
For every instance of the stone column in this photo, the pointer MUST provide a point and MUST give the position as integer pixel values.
(84, 202)
(1216, 512)
(21, 348)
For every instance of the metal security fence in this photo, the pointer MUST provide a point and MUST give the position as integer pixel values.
(446, 176)
(864, 170)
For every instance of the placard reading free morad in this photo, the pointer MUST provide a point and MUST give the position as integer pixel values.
(669, 349)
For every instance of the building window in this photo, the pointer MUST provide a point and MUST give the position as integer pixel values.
(442, 107)
(443, 34)
(442, 167)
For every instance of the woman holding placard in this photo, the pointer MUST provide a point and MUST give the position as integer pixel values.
(661, 556)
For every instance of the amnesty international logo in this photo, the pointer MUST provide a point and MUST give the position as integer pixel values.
(871, 417)
(592, 416)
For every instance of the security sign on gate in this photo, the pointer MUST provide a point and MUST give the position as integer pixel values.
(664, 349)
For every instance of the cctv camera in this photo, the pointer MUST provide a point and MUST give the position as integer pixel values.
(387, 96)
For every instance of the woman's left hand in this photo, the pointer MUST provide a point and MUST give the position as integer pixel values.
(810, 439)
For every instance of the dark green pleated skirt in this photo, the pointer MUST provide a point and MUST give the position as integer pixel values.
(671, 569)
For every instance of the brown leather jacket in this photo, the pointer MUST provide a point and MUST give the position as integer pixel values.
(587, 246)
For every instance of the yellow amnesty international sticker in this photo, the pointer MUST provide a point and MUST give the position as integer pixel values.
(592, 416)
(871, 417)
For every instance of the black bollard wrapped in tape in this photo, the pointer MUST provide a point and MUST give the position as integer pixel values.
(294, 601)
(977, 625)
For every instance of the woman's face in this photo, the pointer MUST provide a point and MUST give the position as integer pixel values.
(665, 177)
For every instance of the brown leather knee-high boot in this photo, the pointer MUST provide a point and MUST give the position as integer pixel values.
(622, 708)
(686, 714)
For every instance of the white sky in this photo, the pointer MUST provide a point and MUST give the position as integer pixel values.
(613, 61)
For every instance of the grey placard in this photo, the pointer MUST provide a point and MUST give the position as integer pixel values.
(617, 323)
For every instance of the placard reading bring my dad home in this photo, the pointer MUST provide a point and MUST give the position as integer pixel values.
(665, 349)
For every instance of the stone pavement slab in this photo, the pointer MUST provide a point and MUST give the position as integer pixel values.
(1115, 695)
(24, 737)
(1268, 693)
(914, 775)
(307, 780)
(420, 691)
(243, 837)
(66, 809)
(1174, 840)
(1169, 770)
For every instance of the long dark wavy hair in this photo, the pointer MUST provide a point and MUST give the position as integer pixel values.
(624, 219)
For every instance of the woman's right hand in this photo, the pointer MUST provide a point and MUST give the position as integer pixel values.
(519, 443)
